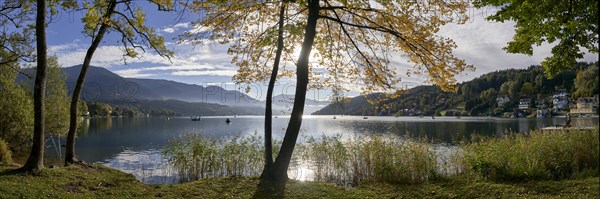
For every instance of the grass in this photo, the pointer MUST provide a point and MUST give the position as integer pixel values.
(101, 182)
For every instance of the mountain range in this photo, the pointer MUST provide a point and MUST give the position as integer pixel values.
(102, 85)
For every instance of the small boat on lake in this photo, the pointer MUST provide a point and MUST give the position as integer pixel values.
(196, 118)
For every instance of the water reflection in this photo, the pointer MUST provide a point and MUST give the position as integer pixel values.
(133, 144)
(148, 166)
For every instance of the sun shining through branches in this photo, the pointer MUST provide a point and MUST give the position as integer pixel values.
(353, 40)
(356, 42)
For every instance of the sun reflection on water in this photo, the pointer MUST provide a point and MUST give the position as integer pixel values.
(301, 171)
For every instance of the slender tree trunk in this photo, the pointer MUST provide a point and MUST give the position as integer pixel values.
(280, 166)
(36, 157)
(70, 156)
(269, 105)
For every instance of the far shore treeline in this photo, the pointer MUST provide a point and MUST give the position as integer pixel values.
(480, 96)
(477, 97)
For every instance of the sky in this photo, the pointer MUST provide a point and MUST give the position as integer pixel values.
(479, 42)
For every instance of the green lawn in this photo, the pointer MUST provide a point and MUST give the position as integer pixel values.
(102, 182)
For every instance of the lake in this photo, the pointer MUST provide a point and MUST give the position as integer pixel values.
(133, 144)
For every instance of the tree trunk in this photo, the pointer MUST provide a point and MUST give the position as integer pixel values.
(36, 157)
(280, 166)
(269, 105)
(70, 156)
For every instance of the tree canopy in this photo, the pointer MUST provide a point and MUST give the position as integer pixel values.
(357, 41)
(573, 25)
(127, 20)
(586, 82)
(16, 35)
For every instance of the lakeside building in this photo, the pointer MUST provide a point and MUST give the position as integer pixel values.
(560, 100)
(501, 100)
(524, 103)
(586, 106)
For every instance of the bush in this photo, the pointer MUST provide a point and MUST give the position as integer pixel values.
(5, 154)
(540, 155)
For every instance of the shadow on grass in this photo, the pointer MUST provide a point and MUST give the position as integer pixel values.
(269, 189)
(9, 172)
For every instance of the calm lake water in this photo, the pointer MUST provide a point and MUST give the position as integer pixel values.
(133, 144)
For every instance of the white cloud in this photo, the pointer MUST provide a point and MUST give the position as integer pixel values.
(168, 30)
(188, 60)
(480, 43)
(176, 27)
(201, 72)
(132, 73)
(182, 25)
(73, 54)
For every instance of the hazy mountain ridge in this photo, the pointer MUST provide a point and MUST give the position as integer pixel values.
(284, 100)
(104, 85)
(282, 104)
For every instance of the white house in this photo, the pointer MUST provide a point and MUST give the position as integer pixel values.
(501, 100)
(586, 105)
(524, 103)
(560, 99)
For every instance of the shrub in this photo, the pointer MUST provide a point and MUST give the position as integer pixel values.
(5, 154)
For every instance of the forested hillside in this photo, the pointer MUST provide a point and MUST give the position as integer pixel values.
(474, 98)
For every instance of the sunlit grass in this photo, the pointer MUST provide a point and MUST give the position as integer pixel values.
(96, 181)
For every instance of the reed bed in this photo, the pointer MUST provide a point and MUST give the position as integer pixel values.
(329, 159)
(557, 154)
(195, 156)
(373, 158)
(391, 159)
